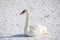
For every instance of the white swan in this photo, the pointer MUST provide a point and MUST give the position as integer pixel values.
(35, 30)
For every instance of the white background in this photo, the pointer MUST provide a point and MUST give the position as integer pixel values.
(43, 12)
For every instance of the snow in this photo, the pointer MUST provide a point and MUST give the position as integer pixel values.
(43, 12)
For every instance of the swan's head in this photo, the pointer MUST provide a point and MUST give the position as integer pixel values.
(23, 11)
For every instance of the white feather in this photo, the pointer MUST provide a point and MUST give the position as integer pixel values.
(34, 30)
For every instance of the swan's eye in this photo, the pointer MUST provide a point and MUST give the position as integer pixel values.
(22, 12)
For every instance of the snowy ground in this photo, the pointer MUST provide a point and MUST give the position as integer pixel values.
(43, 12)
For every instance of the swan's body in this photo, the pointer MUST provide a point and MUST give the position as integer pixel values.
(34, 30)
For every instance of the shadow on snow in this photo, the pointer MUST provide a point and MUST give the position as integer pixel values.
(14, 36)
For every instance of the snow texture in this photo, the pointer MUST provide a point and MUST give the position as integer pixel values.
(43, 12)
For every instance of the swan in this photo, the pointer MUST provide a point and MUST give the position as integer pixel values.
(34, 30)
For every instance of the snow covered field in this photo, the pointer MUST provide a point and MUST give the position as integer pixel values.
(43, 12)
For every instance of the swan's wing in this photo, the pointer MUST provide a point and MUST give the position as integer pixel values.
(44, 29)
(39, 29)
(34, 30)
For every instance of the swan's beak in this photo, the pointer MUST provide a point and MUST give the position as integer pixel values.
(22, 12)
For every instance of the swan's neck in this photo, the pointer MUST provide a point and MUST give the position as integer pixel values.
(27, 22)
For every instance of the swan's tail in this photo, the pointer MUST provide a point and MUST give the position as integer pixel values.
(46, 33)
